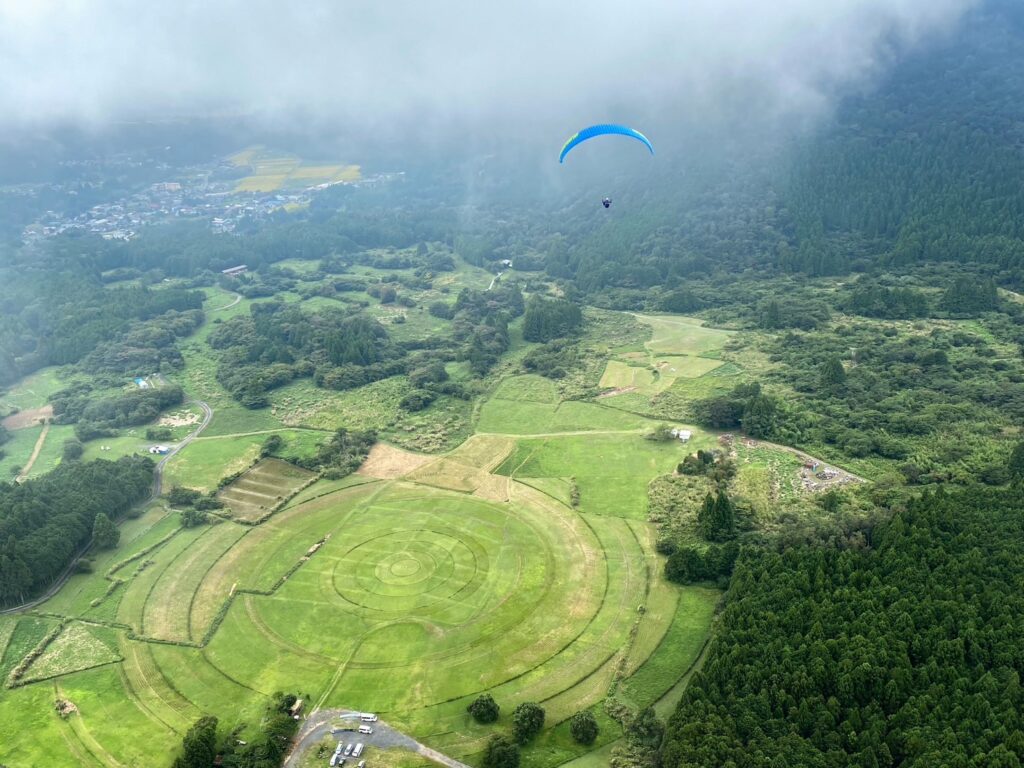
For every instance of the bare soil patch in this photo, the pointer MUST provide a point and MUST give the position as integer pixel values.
(386, 462)
(29, 418)
(183, 419)
(616, 391)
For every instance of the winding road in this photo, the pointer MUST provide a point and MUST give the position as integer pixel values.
(158, 482)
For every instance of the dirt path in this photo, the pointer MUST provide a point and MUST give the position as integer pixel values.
(238, 298)
(35, 455)
(494, 280)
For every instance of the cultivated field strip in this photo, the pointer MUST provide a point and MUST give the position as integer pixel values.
(660, 602)
(167, 612)
(145, 573)
(151, 691)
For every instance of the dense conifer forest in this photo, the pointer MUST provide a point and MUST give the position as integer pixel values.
(905, 654)
(44, 522)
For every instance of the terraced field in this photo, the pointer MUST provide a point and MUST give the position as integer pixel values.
(259, 490)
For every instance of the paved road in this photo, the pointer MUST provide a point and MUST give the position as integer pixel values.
(158, 474)
(158, 479)
(494, 280)
(322, 723)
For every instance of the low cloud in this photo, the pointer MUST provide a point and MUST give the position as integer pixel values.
(402, 67)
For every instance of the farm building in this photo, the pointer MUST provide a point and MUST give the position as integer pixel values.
(159, 449)
(682, 434)
(235, 271)
(141, 383)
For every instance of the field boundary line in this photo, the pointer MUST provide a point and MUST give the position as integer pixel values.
(199, 584)
(149, 593)
(142, 706)
(264, 432)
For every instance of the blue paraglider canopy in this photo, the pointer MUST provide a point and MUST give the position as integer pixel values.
(603, 130)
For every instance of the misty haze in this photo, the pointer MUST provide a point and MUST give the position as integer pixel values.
(547, 385)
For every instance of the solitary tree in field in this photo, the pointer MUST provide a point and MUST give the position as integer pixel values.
(500, 753)
(484, 708)
(527, 721)
(104, 533)
(583, 727)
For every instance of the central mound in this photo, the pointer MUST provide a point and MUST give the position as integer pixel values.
(410, 570)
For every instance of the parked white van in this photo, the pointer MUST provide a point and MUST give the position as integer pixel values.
(368, 717)
(357, 751)
(365, 729)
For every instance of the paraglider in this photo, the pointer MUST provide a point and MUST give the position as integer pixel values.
(603, 130)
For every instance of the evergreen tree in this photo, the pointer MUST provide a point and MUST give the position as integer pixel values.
(771, 317)
(105, 534)
(761, 416)
(1016, 463)
(833, 375)
(723, 516)
(706, 517)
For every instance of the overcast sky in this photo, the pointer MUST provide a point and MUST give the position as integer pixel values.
(401, 65)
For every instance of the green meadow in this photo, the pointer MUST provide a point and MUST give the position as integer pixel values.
(511, 561)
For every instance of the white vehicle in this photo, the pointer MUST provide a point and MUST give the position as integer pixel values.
(368, 717)
(348, 749)
(337, 749)
(334, 759)
(365, 729)
(358, 750)
(362, 764)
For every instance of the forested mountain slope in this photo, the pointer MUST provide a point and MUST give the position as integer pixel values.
(927, 166)
(909, 654)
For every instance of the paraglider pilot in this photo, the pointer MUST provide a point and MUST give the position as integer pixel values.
(607, 202)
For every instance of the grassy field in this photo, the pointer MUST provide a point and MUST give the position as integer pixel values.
(677, 335)
(407, 592)
(680, 362)
(34, 391)
(17, 451)
(611, 471)
(204, 461)
(410, 583)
